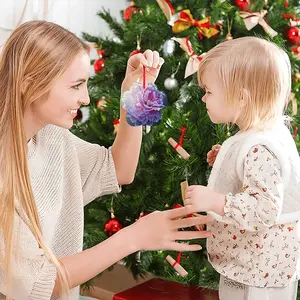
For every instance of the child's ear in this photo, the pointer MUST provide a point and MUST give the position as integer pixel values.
(245, 98)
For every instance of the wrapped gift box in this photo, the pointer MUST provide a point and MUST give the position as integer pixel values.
(159, 289)
(112, 282)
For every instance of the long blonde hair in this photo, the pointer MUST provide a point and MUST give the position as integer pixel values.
(34, 56)
(254, 71)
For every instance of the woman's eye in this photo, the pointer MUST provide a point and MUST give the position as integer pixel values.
(76, 87)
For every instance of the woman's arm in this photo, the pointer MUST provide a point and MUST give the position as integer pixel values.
(158, 230)
(126, 147)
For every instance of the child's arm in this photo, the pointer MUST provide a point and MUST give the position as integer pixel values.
(258, 205)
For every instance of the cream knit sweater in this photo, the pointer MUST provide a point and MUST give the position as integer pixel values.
(66, 174)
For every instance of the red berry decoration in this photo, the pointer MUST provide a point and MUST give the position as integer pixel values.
(293, 35)
(101, 53)
(129, 11)
(112, 226)
(98, 65)
(242, 4)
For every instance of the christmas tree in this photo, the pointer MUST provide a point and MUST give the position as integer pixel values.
(197, 26)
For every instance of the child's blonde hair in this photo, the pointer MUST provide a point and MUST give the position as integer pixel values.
(256, 77)
(36, 54)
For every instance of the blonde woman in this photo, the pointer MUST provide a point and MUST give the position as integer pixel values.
(254, 186)
(48, 174)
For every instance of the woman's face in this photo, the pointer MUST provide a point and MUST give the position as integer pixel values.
(66, 96)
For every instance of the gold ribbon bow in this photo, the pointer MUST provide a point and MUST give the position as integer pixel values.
(186, 20)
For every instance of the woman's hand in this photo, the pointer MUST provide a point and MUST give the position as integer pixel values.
(159, 230)
(150, 59)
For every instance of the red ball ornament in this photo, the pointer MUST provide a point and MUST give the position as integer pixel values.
(242, 4)
(177, 206)
(98, 65)
(129, 11)
(79, 115)
(112, 226)
(293, 35)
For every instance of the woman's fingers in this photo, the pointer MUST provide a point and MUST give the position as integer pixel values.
(191, 221)
(191, 235)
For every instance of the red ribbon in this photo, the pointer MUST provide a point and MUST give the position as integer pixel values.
(286, 4)
(171, 7)
(290, 16)
(144, 77)
(177, 262)
(195, 23)
(296, 131)
(115, 122)
(191, 51)
(182, 130)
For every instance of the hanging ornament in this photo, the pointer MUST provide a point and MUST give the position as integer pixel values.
(176, 265)
(178, 146)
(138, 47)
(293, 35)
(194, 60)
(242, 4)
(166, 8)
(78, 116)
(229, 26)
(143, 103)
(98, 65)
(116, 124)
(101, 104)
(129, 11)
(184, 185)
(169, 48)
(113, 225)
(251, 19)
(186, 20)
(171, 82)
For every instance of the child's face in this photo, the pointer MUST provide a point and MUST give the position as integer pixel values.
(214, 99)
(67, 94)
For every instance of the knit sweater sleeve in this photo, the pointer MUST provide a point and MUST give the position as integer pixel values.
(259, 205)
(97, 169)
(33, 276)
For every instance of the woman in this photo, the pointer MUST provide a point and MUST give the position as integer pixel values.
(48, 174)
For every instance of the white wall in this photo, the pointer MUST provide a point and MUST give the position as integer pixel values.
(75, 15)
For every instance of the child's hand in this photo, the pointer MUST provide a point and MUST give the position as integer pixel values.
(212, 154)
(204, 199)
(159, 230)
(150, 59)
